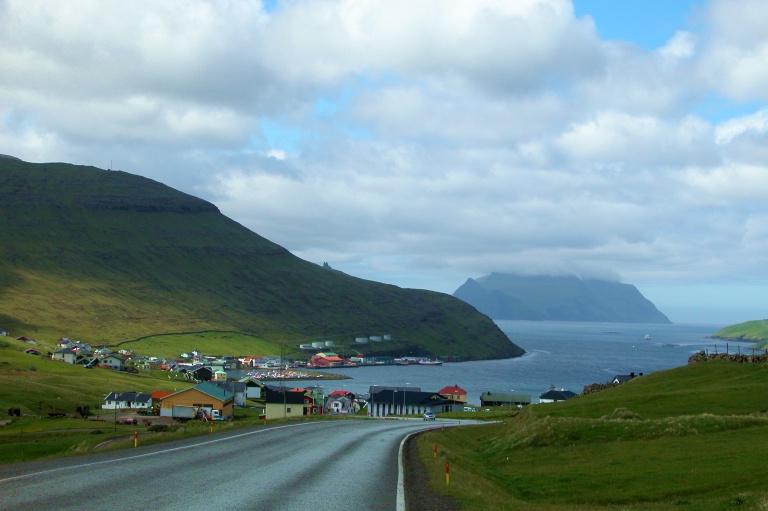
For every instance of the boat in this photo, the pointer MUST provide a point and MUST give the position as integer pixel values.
(647, 337)
(430, 363)
(401, 361)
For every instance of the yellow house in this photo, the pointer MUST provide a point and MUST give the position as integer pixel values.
(454, 393)
(283, 403)
(205, 396)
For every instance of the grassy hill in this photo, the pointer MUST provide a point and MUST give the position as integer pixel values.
(686, 438)
(106, 256)
(754, 331)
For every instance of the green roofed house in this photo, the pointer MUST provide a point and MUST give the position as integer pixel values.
(504, 399)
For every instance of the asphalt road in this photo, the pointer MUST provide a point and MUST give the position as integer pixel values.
(327, 465)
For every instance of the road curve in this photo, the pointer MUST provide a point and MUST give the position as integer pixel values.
(326, 465)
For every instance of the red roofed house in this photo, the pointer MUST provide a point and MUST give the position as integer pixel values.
(158, 395)
(454, 393)
(325, 360)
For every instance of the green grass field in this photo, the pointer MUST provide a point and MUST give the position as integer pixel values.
(689, 438)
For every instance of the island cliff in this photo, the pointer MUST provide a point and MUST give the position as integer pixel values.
(543, 298)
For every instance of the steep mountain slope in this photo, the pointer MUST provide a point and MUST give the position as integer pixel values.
(504, 296)
(108, 256)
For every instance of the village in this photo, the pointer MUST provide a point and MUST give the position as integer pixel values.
(221, 384)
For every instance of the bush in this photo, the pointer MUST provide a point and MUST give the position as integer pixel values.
(160, 428)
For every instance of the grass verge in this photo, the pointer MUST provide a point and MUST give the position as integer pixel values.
(689, 438)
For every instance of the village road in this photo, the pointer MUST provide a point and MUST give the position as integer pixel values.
(334, 465)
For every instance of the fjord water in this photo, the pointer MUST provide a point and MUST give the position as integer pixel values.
(566, 355)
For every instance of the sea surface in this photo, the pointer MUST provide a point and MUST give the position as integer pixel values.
(567, 355)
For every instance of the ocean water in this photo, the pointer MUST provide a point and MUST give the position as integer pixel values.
(567, 355)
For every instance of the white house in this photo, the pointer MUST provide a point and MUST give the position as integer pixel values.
(253, 388)
(64, 355)
(130, 400)
(115, 362)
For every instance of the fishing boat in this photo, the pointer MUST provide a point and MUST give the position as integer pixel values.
(430, 363)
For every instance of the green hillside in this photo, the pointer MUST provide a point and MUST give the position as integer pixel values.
(751, 331)
(688, 438)
(106, 256)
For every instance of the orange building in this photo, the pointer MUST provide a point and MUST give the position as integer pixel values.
(205, 396)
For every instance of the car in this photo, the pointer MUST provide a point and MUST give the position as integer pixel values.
(128, 421)
(429, 416)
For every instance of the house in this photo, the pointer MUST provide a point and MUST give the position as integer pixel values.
(326, 360)
(113, 361)
(64, 355)
(3, 333)
(198, 372)
(253, 388)
(504, 399)
(339, 402)
(237, 388)
(624, 378)
(123, 400)
(454, 393)
(385, 401)
(283, 403)
(314, 399)
(553, 395)
(204, 396)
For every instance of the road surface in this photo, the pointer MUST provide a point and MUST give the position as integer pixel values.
(325, 465)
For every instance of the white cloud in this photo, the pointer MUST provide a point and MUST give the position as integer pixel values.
(734, 61)
(416, 143)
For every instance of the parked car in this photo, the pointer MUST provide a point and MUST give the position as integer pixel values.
(128, 420)
(429, 416)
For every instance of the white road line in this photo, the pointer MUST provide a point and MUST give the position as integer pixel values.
(32, 474)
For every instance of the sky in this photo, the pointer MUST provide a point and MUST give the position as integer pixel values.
(424, 143)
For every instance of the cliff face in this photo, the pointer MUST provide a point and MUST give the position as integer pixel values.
(505, 296)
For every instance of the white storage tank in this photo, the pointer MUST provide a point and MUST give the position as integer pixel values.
(318, 344)
(387, 337)
(361, 340)
(329, 343)
(375, 338)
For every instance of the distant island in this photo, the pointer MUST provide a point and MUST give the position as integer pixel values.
(559, 298)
